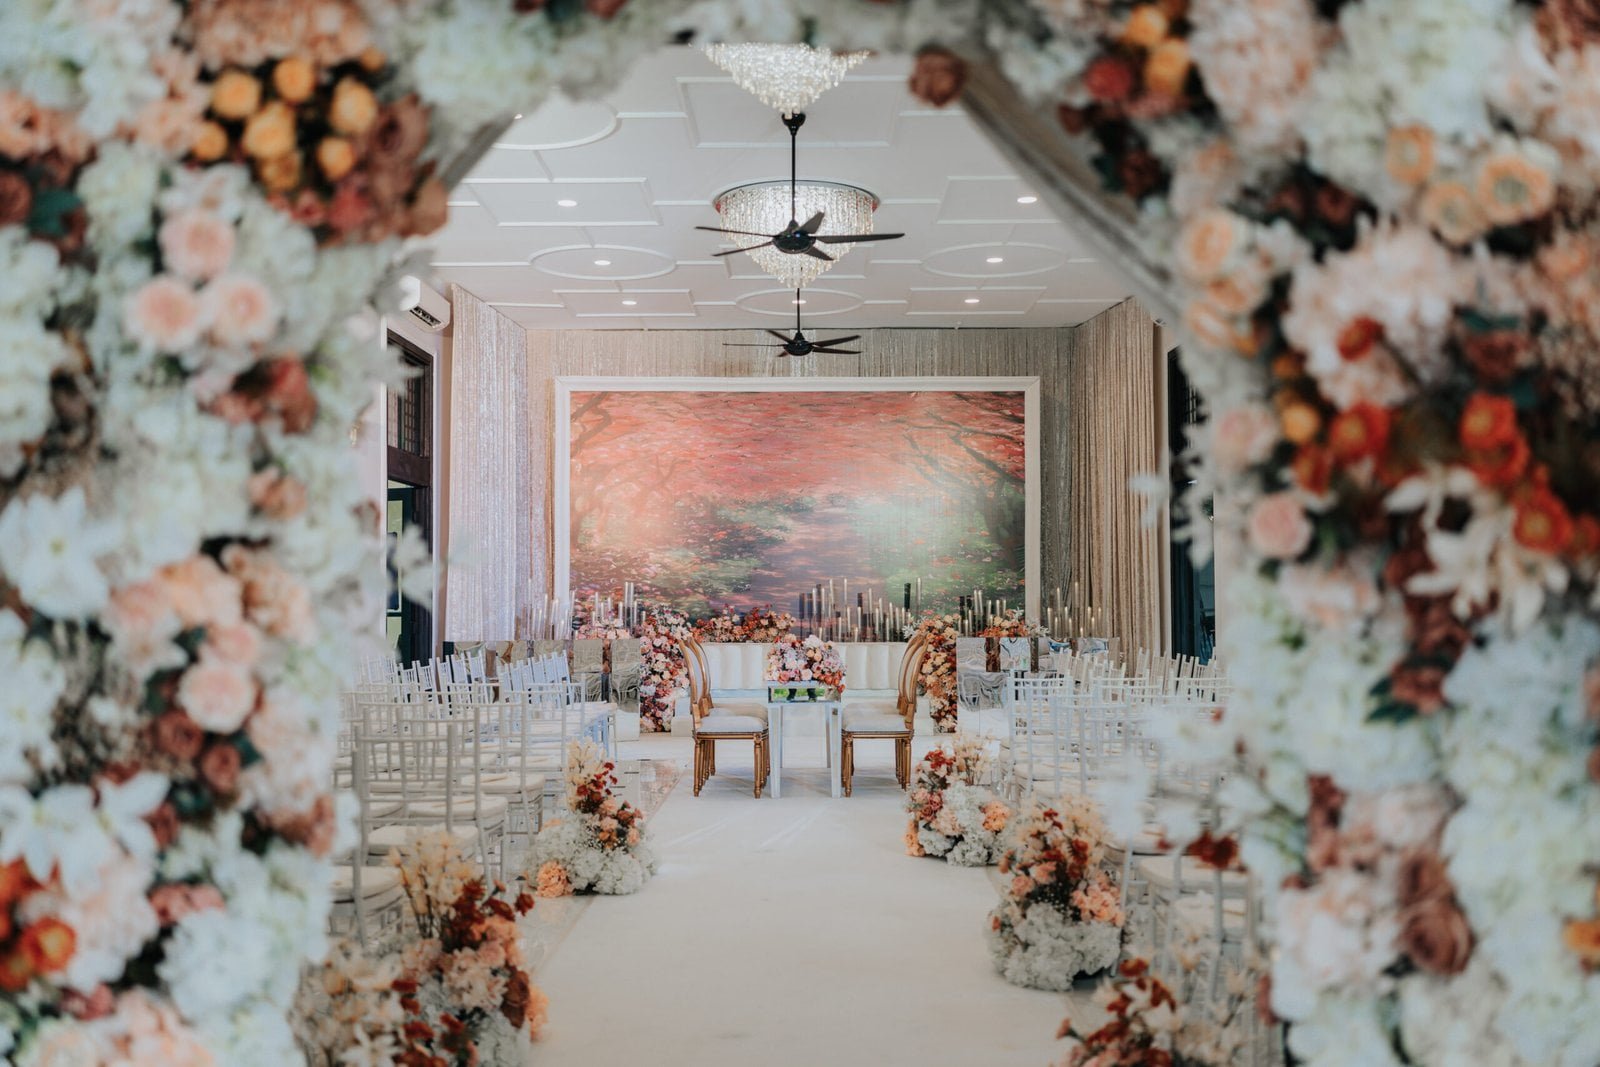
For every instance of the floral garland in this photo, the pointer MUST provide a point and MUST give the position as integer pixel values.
(603, 848)
(666, 671)
(954, 813)
(1059, 916)
(809, 659)
(937, 678)
(757, 626)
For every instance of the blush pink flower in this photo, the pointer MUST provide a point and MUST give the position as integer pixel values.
(201, 593)
(196, 245)
(241, 310)
(218, 696)
(237, 644)
(1244, 436)
(164, 314)
(1278, 527)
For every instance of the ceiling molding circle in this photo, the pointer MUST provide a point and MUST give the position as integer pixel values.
(562, 124)
(577, 262)
(970, 261)
(779, 303)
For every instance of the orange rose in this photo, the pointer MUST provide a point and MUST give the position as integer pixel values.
(235, 95)
(1312, 468)
(1166, 69)
(270, 131)
(1359, 432)
(48, 944)
(210, 143)
(1543, 523)
(336, 156)
(372, 59)
(353, 107)
(280, 173)
(1300, 420)
(1146, 27)
(15, 971)
(1502, 465)
(294, 79)
(1582, 937)
(1488, 422)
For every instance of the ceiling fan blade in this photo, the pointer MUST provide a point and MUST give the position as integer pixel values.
(736, 251)
(732, 344)
(745, 233)
(838, 340)
(839, 239)
(785, 338)
(838, 351)
(813, 224)
(817, 253)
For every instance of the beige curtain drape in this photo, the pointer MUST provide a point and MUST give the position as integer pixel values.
(495, 547)
(1115, 429)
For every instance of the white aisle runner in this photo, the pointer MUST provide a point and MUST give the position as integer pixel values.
(790, 932)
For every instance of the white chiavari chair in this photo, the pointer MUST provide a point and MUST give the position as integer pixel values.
(364, 892)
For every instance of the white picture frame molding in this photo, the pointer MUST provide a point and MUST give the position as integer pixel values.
(562, 459)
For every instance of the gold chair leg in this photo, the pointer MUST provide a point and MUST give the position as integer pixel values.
(759, 765)
(699, 761)
(847, 763)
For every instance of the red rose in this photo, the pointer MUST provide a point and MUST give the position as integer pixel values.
(938, 77)
(604, 8)
(220, 768)
(178, 736)
(1110, 79)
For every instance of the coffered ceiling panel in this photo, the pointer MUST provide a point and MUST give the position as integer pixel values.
(583, 216)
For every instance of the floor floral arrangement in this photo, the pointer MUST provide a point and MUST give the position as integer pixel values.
(805, 659)
(602, 847)
(937, 677)
(665, 674)
(954, 811)
(1059, 915)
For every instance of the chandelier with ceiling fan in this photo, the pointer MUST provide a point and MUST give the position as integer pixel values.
(799, 344)
(839, 216)
(789, 77)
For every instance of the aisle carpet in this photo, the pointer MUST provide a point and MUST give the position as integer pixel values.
(789, 932)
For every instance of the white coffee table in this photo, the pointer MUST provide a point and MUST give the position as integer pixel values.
(831, 706)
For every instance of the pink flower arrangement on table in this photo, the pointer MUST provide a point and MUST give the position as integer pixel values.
(810, 659)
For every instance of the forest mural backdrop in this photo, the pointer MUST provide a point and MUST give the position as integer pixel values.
(745, 498)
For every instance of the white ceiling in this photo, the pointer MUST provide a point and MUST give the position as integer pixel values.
(644, 165)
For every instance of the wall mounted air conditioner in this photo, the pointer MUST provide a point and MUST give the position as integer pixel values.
(424, 303)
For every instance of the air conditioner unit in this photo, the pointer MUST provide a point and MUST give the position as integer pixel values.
(424, 303)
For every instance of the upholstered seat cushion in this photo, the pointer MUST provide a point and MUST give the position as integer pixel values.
(501, 785)
(381, 840)
(872, 707)
(463, 808)
(745, 708)
(730, 724)
(375, 882)
(866, 721)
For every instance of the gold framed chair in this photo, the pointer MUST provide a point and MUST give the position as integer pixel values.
(713, 724)
(881, 721)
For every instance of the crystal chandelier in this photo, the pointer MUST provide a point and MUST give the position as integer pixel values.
(766, 207)
(788, 77)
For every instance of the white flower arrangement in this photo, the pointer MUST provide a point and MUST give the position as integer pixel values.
(954, 812)
(602, 847)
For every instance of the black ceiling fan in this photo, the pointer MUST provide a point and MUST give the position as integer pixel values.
(798, 345)
(796, 239)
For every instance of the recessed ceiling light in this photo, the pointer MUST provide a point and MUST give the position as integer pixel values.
(602, 263)
(519, 114)
(972, 300)
(1027, 199)
(630, 303)
(566, 203)
(996, 259)
(798, 302)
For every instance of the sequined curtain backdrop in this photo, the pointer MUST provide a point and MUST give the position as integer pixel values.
(1111, 431)
(1098, 426)
(499, 473)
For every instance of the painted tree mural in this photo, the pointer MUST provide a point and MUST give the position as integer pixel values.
(748, 498)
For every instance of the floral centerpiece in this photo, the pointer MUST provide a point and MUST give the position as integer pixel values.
(1059, 915)
(937, 678)
(725, 627)
(954, 812)
(759, 625)
(810, 659)
(602, 847)
(665, 673)
(463, 979)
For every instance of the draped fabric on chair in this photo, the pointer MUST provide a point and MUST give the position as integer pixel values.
(492, 460)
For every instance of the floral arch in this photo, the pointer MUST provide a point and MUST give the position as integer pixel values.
(1377, 219)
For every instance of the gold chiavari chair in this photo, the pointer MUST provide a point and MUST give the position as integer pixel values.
(712, 724)
(876, 722)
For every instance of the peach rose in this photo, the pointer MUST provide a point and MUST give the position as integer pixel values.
(1166, 69)
(294, 79)
(1244, 436)
(217, 695)
(1449, 209)
(279, 173)
(176, 735)
(201, 593)
(336, 157)
(164, 314)
(196, 245)
(288, 393)
(1436, 935)
(1210, 245)
(1278, 527)
(1021, 885)
(938, 77)
(1147, 26)
(237, 644)
(1511, 187)
(210, 143)
(241, 310)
